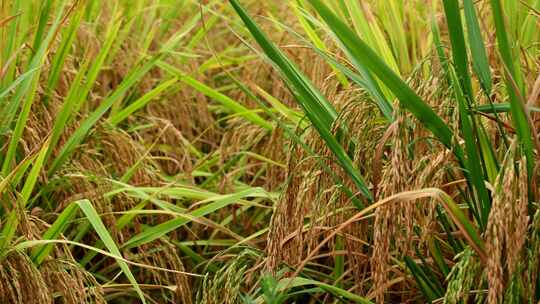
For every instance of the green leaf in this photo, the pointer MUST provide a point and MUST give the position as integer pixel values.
(443, 60)
(314, 37)
(78, 136)
(513, 76)
(338, 180)
(371, 33)
(59, 226)
(24, 96)
(18, 81)
(472, 165)
(217, 203)
(502, 107)
(363, 78)
(232, 105)
(438, 257)
(459, 51)
(57, 63)
(336, 291)
(12, 222)
(317, 108)
(141, 102)
(430, 292)
(105, 237)
(478, 49)
(406, 96)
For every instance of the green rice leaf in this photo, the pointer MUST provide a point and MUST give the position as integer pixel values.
(317, 108)
(338, 292)
(407, 97)
(105, 237)
(58, 227)
(12, 222)
(78, 136)
(478, 50)
(217, 203)
(24, 97)
(472, 165)
(513, 76)
(232, 105)
(141, 101)
(459, 50)
(430, 292)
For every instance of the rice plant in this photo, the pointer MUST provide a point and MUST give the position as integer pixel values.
(241, 151)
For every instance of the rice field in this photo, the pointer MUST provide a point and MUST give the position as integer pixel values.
(243, 151)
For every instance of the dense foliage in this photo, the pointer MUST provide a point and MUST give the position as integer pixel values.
(300, 151)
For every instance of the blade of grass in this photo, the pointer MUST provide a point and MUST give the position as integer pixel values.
(17, 81)
(502, 107)
(443, 60)
(391, 14)
(371, 33)
(438, 257)
(339, 292)
(33, 243)
(44, 10)
(477, 141)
